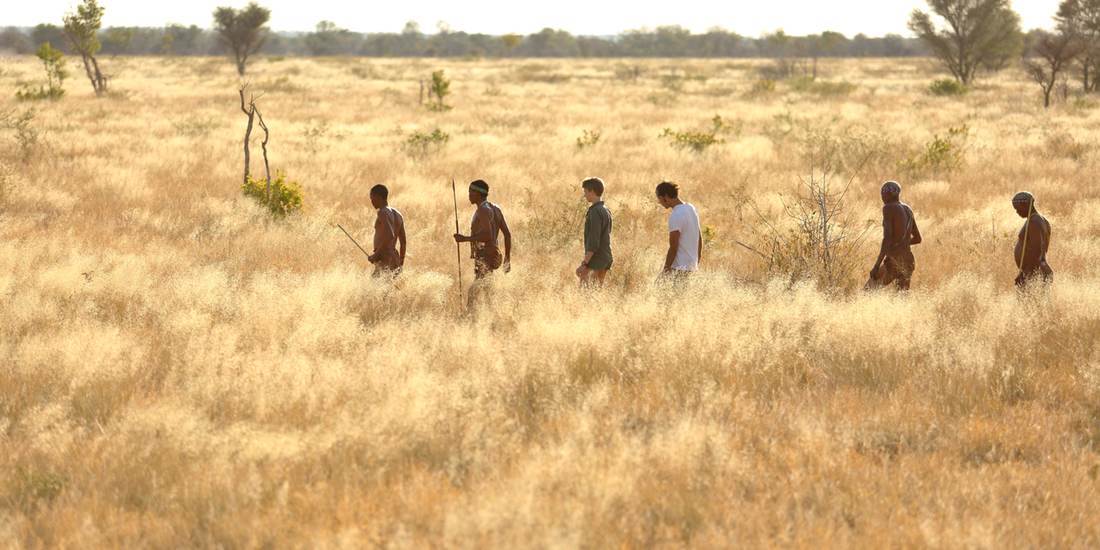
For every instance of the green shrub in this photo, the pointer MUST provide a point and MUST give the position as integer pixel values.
(941, 155)
(700, 141)
(440, 88)
(588, 139)
(946, 87)
(420, 144)
(54, 62)
(285, 198)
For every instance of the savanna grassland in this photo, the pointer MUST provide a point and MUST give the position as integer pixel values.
(178, 368)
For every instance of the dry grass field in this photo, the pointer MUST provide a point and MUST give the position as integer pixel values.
(179, 369)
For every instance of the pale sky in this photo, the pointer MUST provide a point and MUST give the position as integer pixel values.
(589, 17)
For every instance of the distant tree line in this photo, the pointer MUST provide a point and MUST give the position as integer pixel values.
(328, 39)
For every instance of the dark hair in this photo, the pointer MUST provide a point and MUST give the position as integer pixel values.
(594, 185)
(668, 189)
(479, 186)
(380, 191)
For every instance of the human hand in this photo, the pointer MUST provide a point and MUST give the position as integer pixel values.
(459, 238)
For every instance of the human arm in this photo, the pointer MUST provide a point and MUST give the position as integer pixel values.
(381, 239)
(916, 237)
(507, 242)
(887, 238)
(402, 240)
(673, 248)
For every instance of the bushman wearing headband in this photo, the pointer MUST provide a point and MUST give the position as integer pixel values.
(487, 224)
(1032, 244)
(895, 263)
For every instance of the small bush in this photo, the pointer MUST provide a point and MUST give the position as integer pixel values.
(762, 87)
(286, 196)
(317, 134)
(26, 135)
(440, 88)
(283, 84)
(38, 94)
(588, 139)
(941, 155)
(805, 84)
(947, 87)
(420, 144)
(700, 141)
(628, 73)
(1064, 145)
(194, 127)
(662, 99)
(54, 62)
(364, 72)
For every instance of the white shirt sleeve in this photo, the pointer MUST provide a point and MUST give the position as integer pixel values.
(676, 221)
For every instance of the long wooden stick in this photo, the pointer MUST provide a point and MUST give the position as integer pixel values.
(354, 241)
(458, 246)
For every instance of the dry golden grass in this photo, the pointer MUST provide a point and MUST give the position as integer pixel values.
(176, 369)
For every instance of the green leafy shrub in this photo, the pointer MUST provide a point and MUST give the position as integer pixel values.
(944, 154)
(439, 89)
(588, 139)
(699, 141)
(54, 62)
(420, 144)
(946, 87)
(21, 125)
(285, 197)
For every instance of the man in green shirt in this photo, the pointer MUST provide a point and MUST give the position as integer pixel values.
(597, 236)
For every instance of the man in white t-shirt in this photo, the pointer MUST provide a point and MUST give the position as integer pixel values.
(685, 240)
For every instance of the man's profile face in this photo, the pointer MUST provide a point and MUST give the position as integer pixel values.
(591, 196)
(1022, 208)
(375, 200)
(664, 201)
(475, 197)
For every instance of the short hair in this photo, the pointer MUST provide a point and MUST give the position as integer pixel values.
(1023, 198)
(479, 186)
(891, 188)
(594, 185)
(380, 191)
(668, 189)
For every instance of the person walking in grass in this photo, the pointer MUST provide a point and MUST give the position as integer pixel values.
(685, 239)
(1032, 243)
(597, 236)
(486, 227)
(389, 233)
(895, 263)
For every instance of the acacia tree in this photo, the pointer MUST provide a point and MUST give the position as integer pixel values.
(977, 34)
(1081, 18)
(242, 32)
(1051, 55)
(82, 29)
